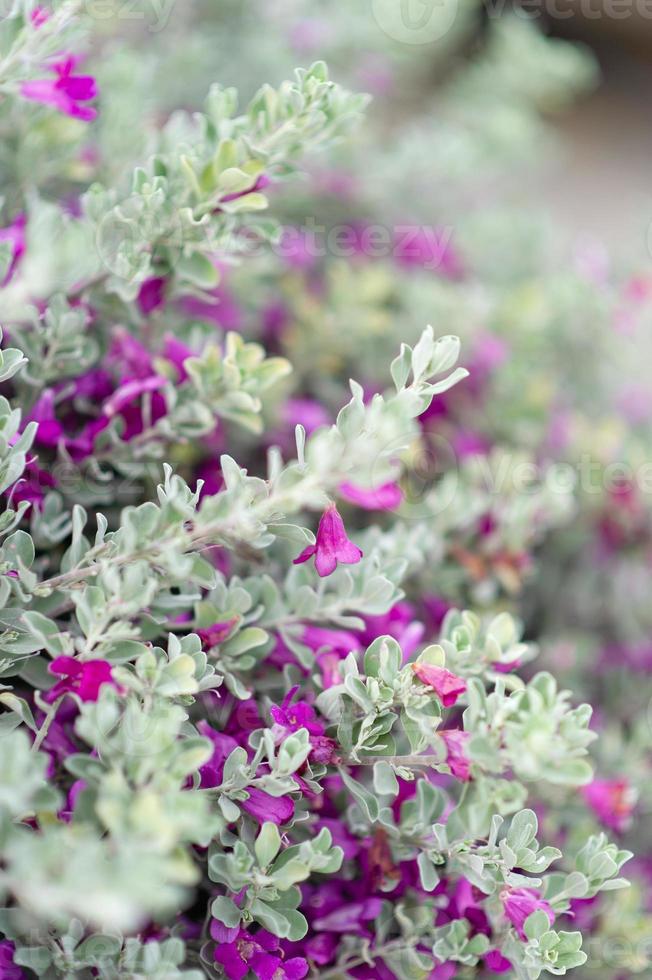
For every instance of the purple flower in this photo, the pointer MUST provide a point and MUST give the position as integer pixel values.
(31, 486)
(210, 773)
(467, 443)
(93, 385)
(275, 318)
(436, 607)
(428, 248)
(130, 356)
(289, 718)
(321, 948)
(496, 962)
(520, 903)
(398, 622)
(81, 677)
(221, 309)
(15, 235)
(296, 249)
(177, 353)
(330, 645)
(456, 757)
(261, 954)
(65, 92)
(444, 971)
(349, 918)
(259, 804)
(128, 392)
(211, 636)
(262, 806)
(341, 642)
(50, 431)
(332, 545)
(612, 801)
(297, 411)
(306, 412)
(388, 496)
(447, 686)
(8, 969)
(151, 295)
(82, 445)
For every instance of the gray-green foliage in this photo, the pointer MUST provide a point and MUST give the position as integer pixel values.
(128, 833)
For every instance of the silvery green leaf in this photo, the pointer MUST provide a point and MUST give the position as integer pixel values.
(385, 782)
(226, 911)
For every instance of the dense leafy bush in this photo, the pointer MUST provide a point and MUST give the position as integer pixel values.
(271, 704)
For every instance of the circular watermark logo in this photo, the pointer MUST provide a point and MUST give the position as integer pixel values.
(415, 21)
(124, 236)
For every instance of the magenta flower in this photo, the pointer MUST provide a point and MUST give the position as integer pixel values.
(321, 948)
(332, 545)
(520, 903)
(295, 248)
(399, 622)
(456, 757)
(15, 235)
(8, 969)
(82, 445)
(130, 391)
(388, 496)
(151, 295)
(262, 806)
(467, 443)
(259, 805)
(32, 486)
(221, 309)
(289, 718)
(447, 686)
(50, 431)
(306, 412)
(275, 318)
(177, 353)
(496, 962)
(489, 353)
(350, 918)
(436, 607)
(65, 92)
(261, 954)
(210, 773)
(131, 358)
(444, 971)
(81, 677)
(428, 248)
(211, 636)
(39, 16)
(321, 638)
(612, 801)
(330, 646)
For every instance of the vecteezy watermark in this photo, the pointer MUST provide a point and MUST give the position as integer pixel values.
(566, 9)
(422, 244)
(415, 21)
(124, 236)
(512, 474)
(153, 14)
(418, 22)
(617, 952)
